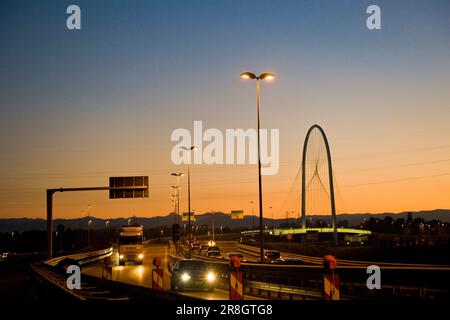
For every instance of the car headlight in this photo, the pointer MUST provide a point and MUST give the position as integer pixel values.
(140, 256)
(210, 277)
(185, 277)
(121, 256)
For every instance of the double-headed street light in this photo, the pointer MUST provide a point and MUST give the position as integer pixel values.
(177, 187)
(264, 76)
(191, 149)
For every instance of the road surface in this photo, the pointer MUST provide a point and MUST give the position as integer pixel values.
(141, 274)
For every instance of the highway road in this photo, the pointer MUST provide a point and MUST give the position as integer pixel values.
(228, 247)
(141, 274)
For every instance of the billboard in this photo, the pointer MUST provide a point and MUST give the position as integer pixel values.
(185, 216)
(237, 214)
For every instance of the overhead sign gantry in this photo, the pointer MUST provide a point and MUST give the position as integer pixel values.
(119, 188)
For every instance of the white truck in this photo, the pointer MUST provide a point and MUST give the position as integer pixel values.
(130, 244)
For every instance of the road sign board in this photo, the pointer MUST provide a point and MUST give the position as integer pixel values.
(237, 214)
(128, 187)
(185, 216)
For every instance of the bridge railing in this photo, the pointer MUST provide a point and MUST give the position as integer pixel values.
(81, 258)
(396, 279)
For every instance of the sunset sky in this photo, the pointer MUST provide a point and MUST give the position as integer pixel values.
(80, 106)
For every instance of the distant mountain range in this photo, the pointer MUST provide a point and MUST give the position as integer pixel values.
(221, 219)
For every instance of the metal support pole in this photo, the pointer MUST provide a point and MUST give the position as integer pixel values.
(189, 213)
(261, 236)
(50, 193)
(49, 223)
(213, 227)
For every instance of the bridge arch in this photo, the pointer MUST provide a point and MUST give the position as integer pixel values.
(330, 177)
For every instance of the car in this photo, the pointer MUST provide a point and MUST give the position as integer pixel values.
(237, 254)
(271, 255)
(291, 261)
(203, 248)
(195, 246)
(250, 242)
(212, 248)
(192, 274)
(214, 254)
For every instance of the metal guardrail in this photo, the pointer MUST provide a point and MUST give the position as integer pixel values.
(254, 251)
(49, 272)
(398, 280)
(256, 288)
(82, 258)
(52, 274)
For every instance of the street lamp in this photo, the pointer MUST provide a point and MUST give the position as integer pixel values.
(177, 195)
(178, 175)
(253, 214)
(89, 209)
(106, 231)
(191, 149)
(89, 233)
(264, 76)
(213, 225)
(271, 209)
(12, 241)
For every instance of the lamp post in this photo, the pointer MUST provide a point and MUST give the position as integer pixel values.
(12, 242)
(89, 233)
(264, 76)
(178, 175)
(174, 205)
(253, 214)
(177, 202)
(271, 209)
(191, 149)
(213, 226)
(106, 231)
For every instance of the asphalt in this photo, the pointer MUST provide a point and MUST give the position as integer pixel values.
(142, 274)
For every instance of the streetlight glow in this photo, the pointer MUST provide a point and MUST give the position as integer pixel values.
(248, 75)
(264, 76)
(267, 76)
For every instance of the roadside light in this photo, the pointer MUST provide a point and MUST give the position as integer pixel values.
(185, 277)
(211, 243)
(248, 75)
(267, 76)
(210, 277)
(140, 256)
(121, 256)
